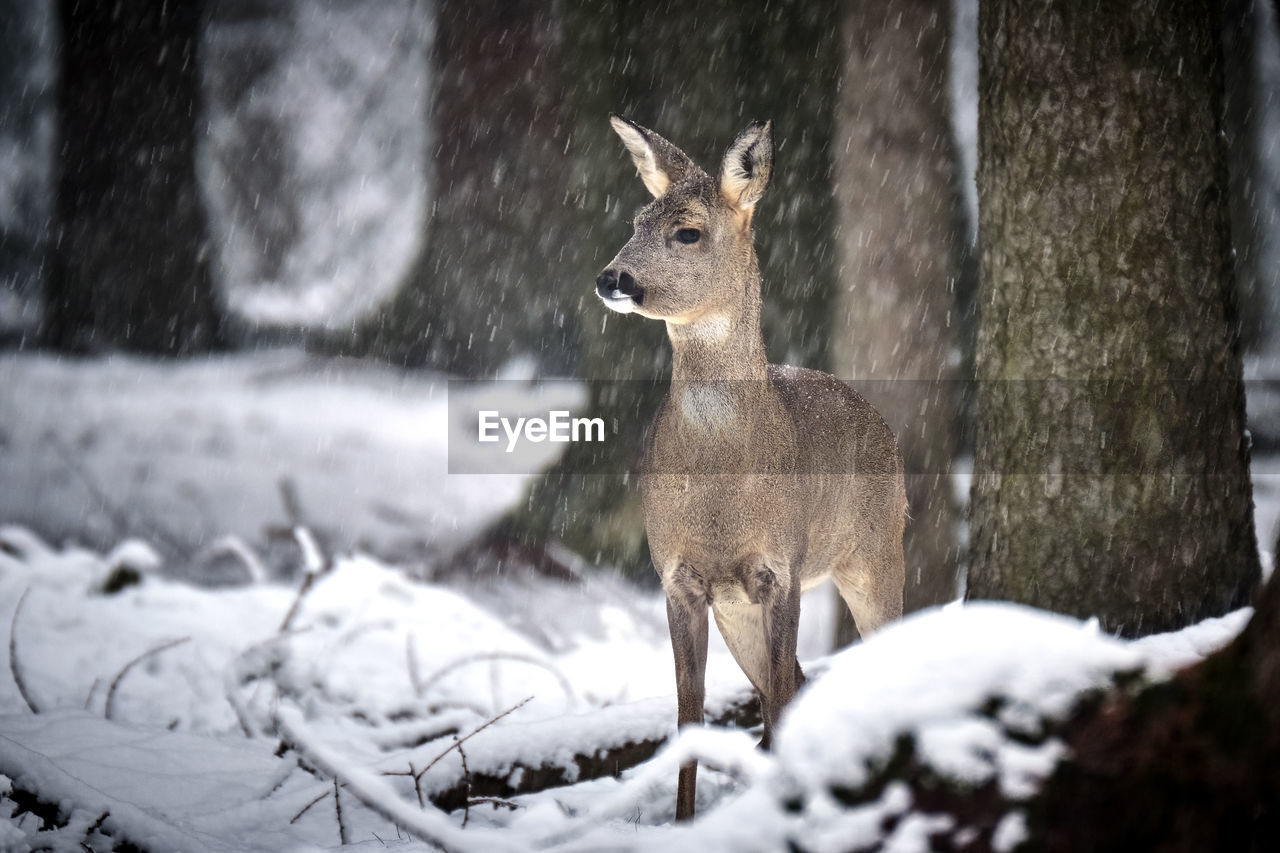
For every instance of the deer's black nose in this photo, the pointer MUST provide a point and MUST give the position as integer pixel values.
(614, 285)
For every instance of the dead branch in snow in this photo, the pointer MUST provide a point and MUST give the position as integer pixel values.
(14, 667)
(109, 711)
(316, 561)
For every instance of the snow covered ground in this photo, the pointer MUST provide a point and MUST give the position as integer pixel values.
(193, 718)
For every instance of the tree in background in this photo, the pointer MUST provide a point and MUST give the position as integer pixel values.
(895, 310)
(1111, 465)
(129, 266)
(26, 75)
(495, 274)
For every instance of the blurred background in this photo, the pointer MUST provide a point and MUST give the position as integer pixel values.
(243, 245)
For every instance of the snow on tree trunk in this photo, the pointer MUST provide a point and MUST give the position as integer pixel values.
(1111, 469)
(895, 304)
(130, 257)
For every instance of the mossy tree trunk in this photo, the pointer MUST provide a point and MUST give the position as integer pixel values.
(129, 262)
(696, 73)
(1111, 463)
(895, 304)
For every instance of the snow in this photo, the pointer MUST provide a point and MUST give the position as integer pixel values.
(164, 704)
(174, 769)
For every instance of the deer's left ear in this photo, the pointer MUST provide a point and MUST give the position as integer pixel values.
(747, 166)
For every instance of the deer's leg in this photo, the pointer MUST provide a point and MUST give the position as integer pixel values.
(687, 619)
(779, 601)
(871, 585)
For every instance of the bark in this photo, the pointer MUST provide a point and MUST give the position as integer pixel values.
(1111, 464)
(1193, 764)
(895, 304)
(497, 272)
(129, 265)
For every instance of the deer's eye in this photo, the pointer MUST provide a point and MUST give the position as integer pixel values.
(688, 236)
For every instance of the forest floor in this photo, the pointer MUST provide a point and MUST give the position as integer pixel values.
(216, 715)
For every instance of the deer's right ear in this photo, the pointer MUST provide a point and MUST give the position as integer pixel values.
(659, 163)
(747, 166)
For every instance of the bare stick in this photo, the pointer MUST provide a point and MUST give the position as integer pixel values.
(466, 780)
(457, 744)
(14, 667)
(111, 693)
(234, 546)
(479, 657)
(337, 807)
(429, 824)
(307, 808)
(316, 561)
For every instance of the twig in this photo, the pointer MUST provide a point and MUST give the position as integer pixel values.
(307, 808)
(111, 693)
(316, 561)
(337, 807)
(466, 781)
(14, 667)
(495, 656)
(429, 825)
(234, 546)
(457, 744)
(240, 673)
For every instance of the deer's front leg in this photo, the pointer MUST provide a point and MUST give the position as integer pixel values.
(687, 619)
(779, 601)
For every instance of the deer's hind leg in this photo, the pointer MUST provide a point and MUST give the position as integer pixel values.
(871, 580)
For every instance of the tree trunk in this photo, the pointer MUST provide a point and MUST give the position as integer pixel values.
(495, 276)
(130, 267)
(1111, 465)
(895, 305)
(1188, 765)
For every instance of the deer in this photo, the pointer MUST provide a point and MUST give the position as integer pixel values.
(758, 481)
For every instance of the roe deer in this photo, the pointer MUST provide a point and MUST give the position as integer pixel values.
(759, 481)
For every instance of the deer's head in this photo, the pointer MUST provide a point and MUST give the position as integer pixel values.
(691, 256)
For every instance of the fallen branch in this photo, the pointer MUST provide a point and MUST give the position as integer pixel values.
(234, 546)
(14, 666)
(609, 741)
(109, 711)
(429, 825)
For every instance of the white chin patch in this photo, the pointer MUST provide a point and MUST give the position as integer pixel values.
(623, 305)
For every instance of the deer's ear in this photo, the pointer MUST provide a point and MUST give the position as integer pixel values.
(747, 166)
(659, 163)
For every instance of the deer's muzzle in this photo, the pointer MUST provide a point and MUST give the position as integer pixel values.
(617, 288)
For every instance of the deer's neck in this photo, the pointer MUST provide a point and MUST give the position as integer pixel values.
(719, 345)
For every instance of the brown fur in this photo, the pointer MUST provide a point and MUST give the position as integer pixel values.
(759, 481)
